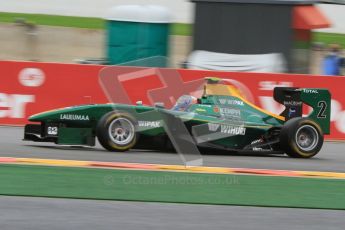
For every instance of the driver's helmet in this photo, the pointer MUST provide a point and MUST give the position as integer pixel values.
(184, 102)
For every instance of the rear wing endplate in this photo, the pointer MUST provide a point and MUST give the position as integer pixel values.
(294, 98)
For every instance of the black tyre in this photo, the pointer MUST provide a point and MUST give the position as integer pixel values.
(117, 131)
(301, 138)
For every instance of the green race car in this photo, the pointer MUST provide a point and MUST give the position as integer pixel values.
(220, 119)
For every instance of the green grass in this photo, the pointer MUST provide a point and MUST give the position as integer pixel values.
(177, 187)
(77, 22)
(181, 29)
(98, 23)
(330, 38)
(53, 20)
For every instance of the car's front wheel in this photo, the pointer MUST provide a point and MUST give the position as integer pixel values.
(301, 138)
(117, 131)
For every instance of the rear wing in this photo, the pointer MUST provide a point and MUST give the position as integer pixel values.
(294, 98)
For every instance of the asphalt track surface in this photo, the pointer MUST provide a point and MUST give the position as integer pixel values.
(330, 158)
(48, 213)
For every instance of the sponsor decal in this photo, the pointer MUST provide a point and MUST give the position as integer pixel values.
(52, 130)
(227, 129)
(227, 112)
(200, 110)
(151, 124)
(74, 117)
(31, 77)
(256, 141)
(234, 130)
(213, 127)
(310, 91)
(224, 101)
(230, 112)
(292, 103)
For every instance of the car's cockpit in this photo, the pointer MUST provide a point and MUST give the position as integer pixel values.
(184, 102)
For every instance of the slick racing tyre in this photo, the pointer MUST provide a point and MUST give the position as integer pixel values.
(301, 138)
(117, 131)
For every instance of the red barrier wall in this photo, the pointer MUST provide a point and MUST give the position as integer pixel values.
(28, 87)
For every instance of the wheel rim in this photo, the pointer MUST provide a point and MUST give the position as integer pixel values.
(121, 131)
(307, 138)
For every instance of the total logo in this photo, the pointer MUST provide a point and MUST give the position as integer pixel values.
(310, 91)
(31, 77)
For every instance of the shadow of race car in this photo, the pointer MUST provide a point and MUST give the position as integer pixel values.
(220, 119)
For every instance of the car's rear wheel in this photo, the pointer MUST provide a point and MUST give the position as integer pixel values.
(301, 138)
(117, 131)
